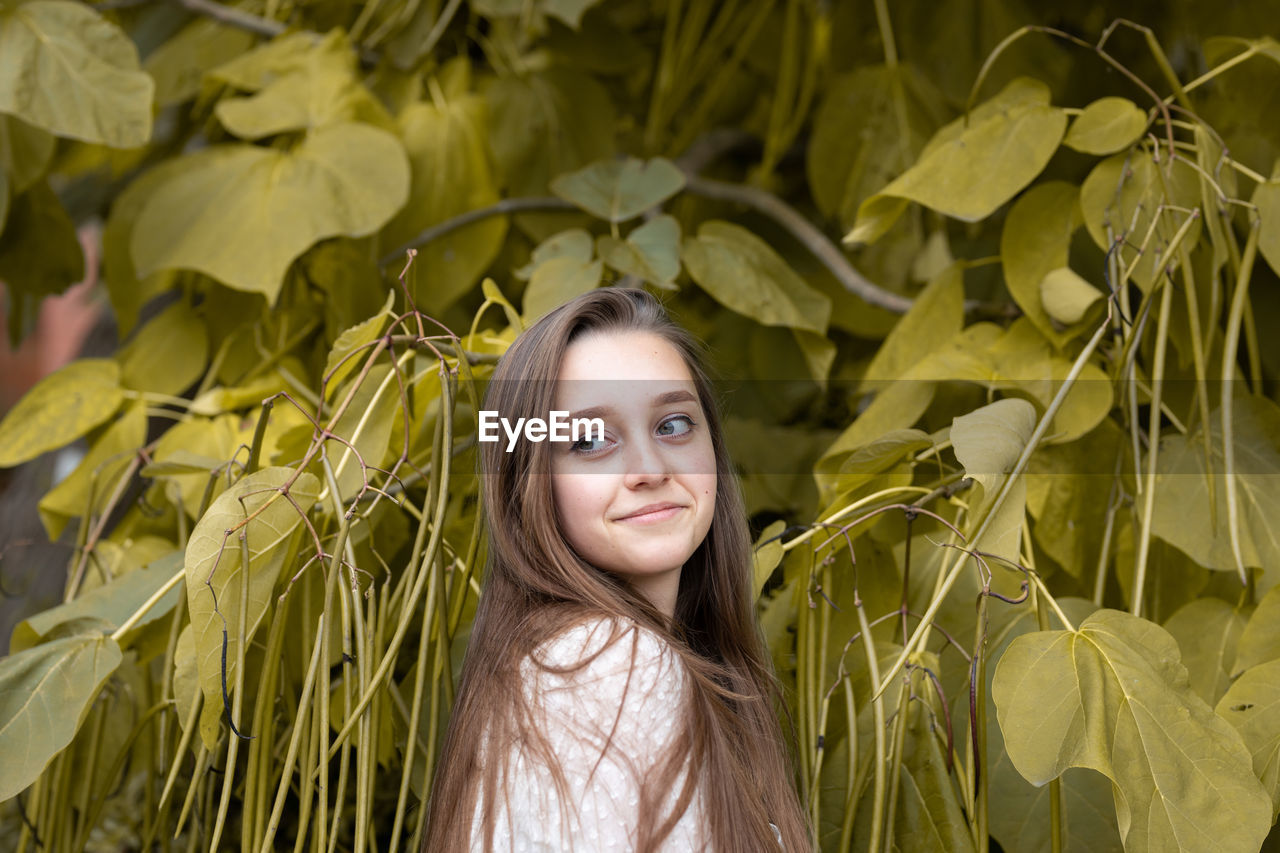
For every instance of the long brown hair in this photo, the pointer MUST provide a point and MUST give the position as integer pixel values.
(535, 586)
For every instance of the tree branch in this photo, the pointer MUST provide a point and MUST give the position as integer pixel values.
(233, 17)
(249, 22)
(507, 205)
(804, 231)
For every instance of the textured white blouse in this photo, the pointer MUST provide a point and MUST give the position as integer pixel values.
(634, 689)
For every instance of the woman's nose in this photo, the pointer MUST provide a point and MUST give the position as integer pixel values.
(647, 465)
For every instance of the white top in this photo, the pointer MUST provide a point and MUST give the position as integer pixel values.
(634, 689)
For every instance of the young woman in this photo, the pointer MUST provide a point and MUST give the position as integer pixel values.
(616, 693)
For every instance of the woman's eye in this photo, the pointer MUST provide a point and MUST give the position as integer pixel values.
(679, 425)
(587, 445)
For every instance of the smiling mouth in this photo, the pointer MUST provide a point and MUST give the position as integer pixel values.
(653, 515)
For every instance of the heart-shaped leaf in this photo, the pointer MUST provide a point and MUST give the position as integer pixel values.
(242, 213)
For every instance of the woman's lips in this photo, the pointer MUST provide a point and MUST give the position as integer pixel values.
(650, 515)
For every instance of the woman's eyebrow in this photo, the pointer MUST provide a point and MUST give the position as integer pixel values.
(664, 399)
(681, 396)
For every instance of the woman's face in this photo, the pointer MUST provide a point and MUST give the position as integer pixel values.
(638, 502)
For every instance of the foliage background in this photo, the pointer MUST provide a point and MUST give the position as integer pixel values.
(1011, 446)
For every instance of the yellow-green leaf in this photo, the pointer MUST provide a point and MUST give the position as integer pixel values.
(618, 190)
(1267, 197)
(270, 205)
(1208, 632)
(178, 65)
(74, 73)
(1252, 705)
(129, 292)
(766, 557)
(40, 253)
(25, 152)
(258, 511)
(1183, 516)
(651, 252)
(168, 354)
(1113, 696)
(988, 442)
(1034, 242)
(44, 694)
(1106, 126)
(1066, 296)
(857, 145)
(545, 124)
(556, 281)
(1260, 641)
(318, 87)
(936, 315)
(112, 603)
(98, 473)
(59, 409)
(451, 175)
(1126, 191)
(342, 356)
(743, 273)
(969, 170)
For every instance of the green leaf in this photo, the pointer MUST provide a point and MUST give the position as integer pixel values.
(545, 124)
(342, 359)
(270, 205)
(1066, 296)
(40, 253)
(1126, 191)
(1252, 705)
(556, 281)
(113, 603)
(1119, 703)
(255, 509)
(59, 409)
(1106, 126)
(1260, 641)
(70, 71)
(1183, 515)
(1267, 198)
(451, 176)
(167, 355)
(969, 170)
(651, 252)
(98, 473)
(744, 274)
(45, 693)
(618, 190)
(25, 153)
(1034, 242)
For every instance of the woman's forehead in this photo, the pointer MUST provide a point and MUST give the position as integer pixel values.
(623, 370)
(623, 357)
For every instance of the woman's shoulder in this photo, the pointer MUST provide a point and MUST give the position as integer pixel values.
(598, 641)
(606, 667)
